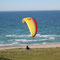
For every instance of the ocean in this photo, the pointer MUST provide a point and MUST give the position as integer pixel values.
(13, 32)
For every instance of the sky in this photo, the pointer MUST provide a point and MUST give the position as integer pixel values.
(29, 5)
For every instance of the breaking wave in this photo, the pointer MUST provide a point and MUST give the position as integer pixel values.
(38, 39)
(37, 35)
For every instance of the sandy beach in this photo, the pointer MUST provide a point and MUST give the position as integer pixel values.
(49, 45)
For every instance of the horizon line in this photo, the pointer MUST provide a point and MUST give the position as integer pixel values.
(29, 10)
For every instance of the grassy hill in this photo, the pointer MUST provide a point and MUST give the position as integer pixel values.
(32, 54)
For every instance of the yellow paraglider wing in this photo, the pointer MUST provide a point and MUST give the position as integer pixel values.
(32, 25)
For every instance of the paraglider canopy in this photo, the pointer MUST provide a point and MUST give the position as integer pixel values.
(32, 25)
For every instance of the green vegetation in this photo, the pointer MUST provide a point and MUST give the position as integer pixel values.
(32, 54)
(2, 58)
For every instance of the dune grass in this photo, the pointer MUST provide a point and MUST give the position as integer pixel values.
(32, 54)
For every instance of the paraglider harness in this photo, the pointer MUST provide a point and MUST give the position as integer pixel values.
(27, 48)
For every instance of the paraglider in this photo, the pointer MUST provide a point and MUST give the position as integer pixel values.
(32, 25)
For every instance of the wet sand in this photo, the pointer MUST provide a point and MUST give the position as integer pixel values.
(49, 45)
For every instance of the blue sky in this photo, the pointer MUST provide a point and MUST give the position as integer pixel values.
(29, 5)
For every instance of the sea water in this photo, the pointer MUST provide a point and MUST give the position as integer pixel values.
(13, 32)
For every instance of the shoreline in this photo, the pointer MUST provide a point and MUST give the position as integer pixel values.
(49, 45)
